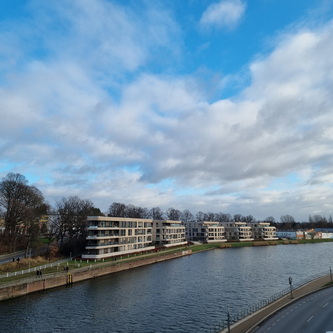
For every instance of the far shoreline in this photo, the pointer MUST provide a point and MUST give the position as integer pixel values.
(238, 244)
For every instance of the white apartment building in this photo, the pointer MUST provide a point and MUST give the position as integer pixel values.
(112, 236)
(207, 232)
(263, 231)
(168, 233)
(238, 231)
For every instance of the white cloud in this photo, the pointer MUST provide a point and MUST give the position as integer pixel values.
(90, 120)
(223, 14)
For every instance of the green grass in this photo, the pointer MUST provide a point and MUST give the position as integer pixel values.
(204, 247)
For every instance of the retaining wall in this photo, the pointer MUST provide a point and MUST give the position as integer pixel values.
(80, 274)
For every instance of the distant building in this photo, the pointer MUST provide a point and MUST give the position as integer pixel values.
(263, 231)
(168, 233)
(292, 234)
(238, 231)
(43, 222)
(206, 232)
(326, 233)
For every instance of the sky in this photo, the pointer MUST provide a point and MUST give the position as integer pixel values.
(214, 106)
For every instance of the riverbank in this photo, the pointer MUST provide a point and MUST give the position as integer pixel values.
(211, 246)
(24, 286)
(56, 276)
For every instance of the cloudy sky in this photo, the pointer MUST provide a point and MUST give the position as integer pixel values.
(213, 106)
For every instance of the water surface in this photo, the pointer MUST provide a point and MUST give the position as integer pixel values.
(189, 294)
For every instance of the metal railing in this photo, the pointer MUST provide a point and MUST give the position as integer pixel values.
(234, 318)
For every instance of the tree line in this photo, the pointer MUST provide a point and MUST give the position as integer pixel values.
(22, 207)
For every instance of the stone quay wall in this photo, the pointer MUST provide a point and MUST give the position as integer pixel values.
(21, 288)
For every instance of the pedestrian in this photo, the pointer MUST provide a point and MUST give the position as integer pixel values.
(40, 273)
(37, 273)
(13, 259)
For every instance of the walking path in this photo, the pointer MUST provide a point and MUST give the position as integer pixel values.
(35, 268)
(249, 324)
(5, 258)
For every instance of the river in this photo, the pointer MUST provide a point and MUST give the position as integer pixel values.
(190, 294)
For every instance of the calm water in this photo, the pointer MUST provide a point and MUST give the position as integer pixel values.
(190, 294)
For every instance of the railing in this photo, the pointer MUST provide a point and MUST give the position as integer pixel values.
(34, 269)
(101, 246)
(233, 318)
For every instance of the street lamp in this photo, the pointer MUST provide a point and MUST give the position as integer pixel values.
(291, 286)
(228, 320)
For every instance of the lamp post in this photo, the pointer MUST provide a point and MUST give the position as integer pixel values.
(291, 286)
(228, 316)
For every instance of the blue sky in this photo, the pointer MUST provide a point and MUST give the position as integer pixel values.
(213, 106)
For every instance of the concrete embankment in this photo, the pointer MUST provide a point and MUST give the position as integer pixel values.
(30, 285)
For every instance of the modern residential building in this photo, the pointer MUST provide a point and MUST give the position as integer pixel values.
(263, 231)
(112, 236)
(238, 231)
(168, 233)
(206, 231)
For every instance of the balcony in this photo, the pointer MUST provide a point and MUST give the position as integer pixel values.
(101, 246)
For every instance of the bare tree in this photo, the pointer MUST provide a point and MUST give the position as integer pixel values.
(225, 217)
(187, 216)
(156, 213)
(238, 218)
(201, 216)
(173, 214)
(117, 209)
(57, 226)
(210, 216)
(23, 204)
(72, 216)
(287, 219)
(249, 219)
(134, 211)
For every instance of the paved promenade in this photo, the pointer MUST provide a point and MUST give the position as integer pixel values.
(249, 324)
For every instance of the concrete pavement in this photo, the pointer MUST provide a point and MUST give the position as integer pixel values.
(250, 323)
